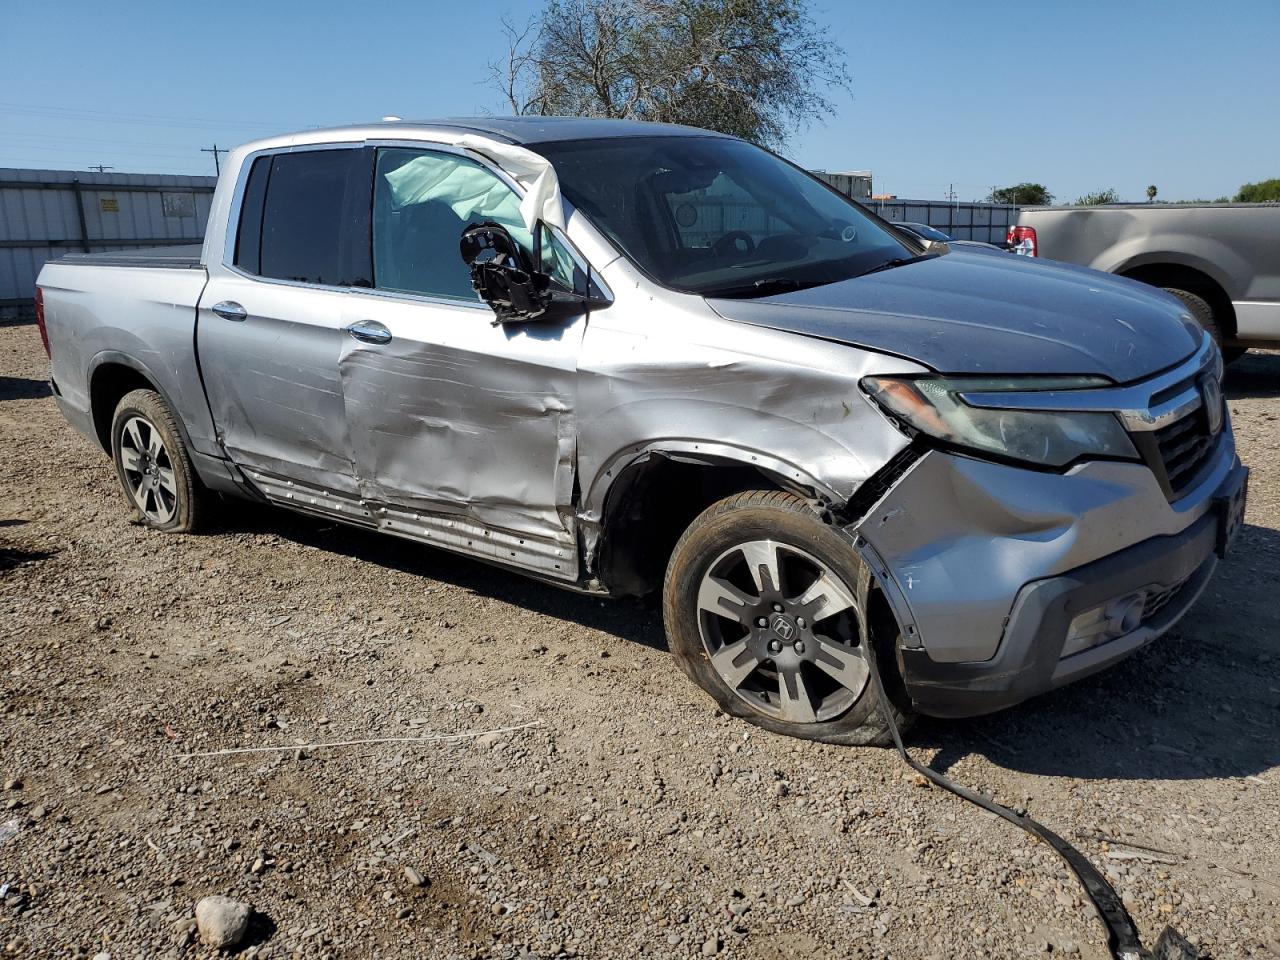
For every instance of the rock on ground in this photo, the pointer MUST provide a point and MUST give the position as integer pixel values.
(222, 922)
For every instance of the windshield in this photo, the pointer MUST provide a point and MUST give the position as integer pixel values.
(719, 217)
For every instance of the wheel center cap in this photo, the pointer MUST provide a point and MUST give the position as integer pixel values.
(784, 628)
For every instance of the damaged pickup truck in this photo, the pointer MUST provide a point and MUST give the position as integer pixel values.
(625, 357)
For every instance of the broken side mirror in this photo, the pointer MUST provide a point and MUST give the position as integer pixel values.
(506, 278)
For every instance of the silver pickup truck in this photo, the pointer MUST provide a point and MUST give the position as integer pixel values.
(1222, 260)
(625, 357)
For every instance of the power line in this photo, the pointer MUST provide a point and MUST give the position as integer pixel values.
(215, 150)
(151, 119)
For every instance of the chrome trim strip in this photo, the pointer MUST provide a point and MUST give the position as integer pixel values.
(1132, 403)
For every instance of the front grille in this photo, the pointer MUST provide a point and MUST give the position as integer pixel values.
(1183, 447)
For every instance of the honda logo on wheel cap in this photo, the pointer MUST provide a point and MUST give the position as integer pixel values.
(783, 627)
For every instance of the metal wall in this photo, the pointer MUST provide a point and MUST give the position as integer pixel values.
(855, 184)
(988, 222)
(47, 213)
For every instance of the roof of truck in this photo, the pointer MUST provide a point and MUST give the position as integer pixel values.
(520, 130)
(545, 129)
(525, 131)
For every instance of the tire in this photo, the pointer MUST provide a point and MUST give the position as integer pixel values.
(153, 467)
(783, 662)
(1202, 313)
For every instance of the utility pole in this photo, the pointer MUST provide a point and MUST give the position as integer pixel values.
(101, 167)
(215, 150)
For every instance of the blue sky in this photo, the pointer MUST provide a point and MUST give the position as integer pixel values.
(1078, 95)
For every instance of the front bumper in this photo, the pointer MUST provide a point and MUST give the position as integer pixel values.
(1030, 657)
(991, 570)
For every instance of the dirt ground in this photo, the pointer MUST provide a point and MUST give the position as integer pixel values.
(624, 817)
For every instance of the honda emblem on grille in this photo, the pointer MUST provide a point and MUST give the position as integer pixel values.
(1211, 394)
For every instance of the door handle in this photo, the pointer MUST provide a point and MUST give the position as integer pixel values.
(230, 310)
(369, 331)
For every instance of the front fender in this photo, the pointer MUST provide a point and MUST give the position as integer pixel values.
(797, 453)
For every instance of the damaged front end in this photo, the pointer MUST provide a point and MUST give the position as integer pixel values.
(1008, 580)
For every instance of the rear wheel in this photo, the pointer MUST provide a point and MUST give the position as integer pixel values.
(765, 609)
(152, 465)
(1202, 313)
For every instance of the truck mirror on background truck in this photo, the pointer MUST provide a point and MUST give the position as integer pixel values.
(1022, 241)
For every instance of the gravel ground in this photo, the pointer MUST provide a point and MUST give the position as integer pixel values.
(624, 817)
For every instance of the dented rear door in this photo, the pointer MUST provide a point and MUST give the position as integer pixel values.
(269, 327)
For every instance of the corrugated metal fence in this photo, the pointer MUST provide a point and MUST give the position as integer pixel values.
(47, 213)
(988, 222)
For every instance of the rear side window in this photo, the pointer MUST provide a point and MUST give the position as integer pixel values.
(249, 236)
(300, 219)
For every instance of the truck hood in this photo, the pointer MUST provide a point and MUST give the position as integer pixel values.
(988, 312)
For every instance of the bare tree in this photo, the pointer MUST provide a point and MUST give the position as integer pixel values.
(510, 75)
(753, 68)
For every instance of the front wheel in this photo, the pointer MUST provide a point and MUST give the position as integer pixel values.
(151, 462)
(765, 609)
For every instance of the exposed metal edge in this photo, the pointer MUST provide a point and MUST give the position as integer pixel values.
(304, 496)
(546, 558)
(860, 507)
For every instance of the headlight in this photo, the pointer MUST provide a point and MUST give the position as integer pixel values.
(934, 406)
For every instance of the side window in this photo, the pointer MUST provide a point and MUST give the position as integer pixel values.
(302, 221)
(249, 236)
(422, 201)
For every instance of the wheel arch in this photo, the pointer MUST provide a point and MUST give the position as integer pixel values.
(646, 496)
(113, 374)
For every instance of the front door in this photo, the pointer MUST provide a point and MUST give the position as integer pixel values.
(269, 330)
(462, 431)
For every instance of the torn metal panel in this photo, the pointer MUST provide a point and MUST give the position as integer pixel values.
(456, 416)
(959, 537)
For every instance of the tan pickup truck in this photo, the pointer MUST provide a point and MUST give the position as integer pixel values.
(1221, 259)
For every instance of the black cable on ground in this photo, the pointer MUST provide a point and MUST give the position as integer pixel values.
(1122, 934)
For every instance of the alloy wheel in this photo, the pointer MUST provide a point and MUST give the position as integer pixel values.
(148, 470)
(783, 632)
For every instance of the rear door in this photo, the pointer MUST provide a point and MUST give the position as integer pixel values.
(269, 331)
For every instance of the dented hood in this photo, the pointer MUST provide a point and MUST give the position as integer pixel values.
(988, 312)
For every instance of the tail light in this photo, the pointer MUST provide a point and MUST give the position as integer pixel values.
(44, 334)
(1022, 241)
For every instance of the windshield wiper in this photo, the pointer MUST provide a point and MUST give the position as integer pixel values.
(896, 262)
(762, 288)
